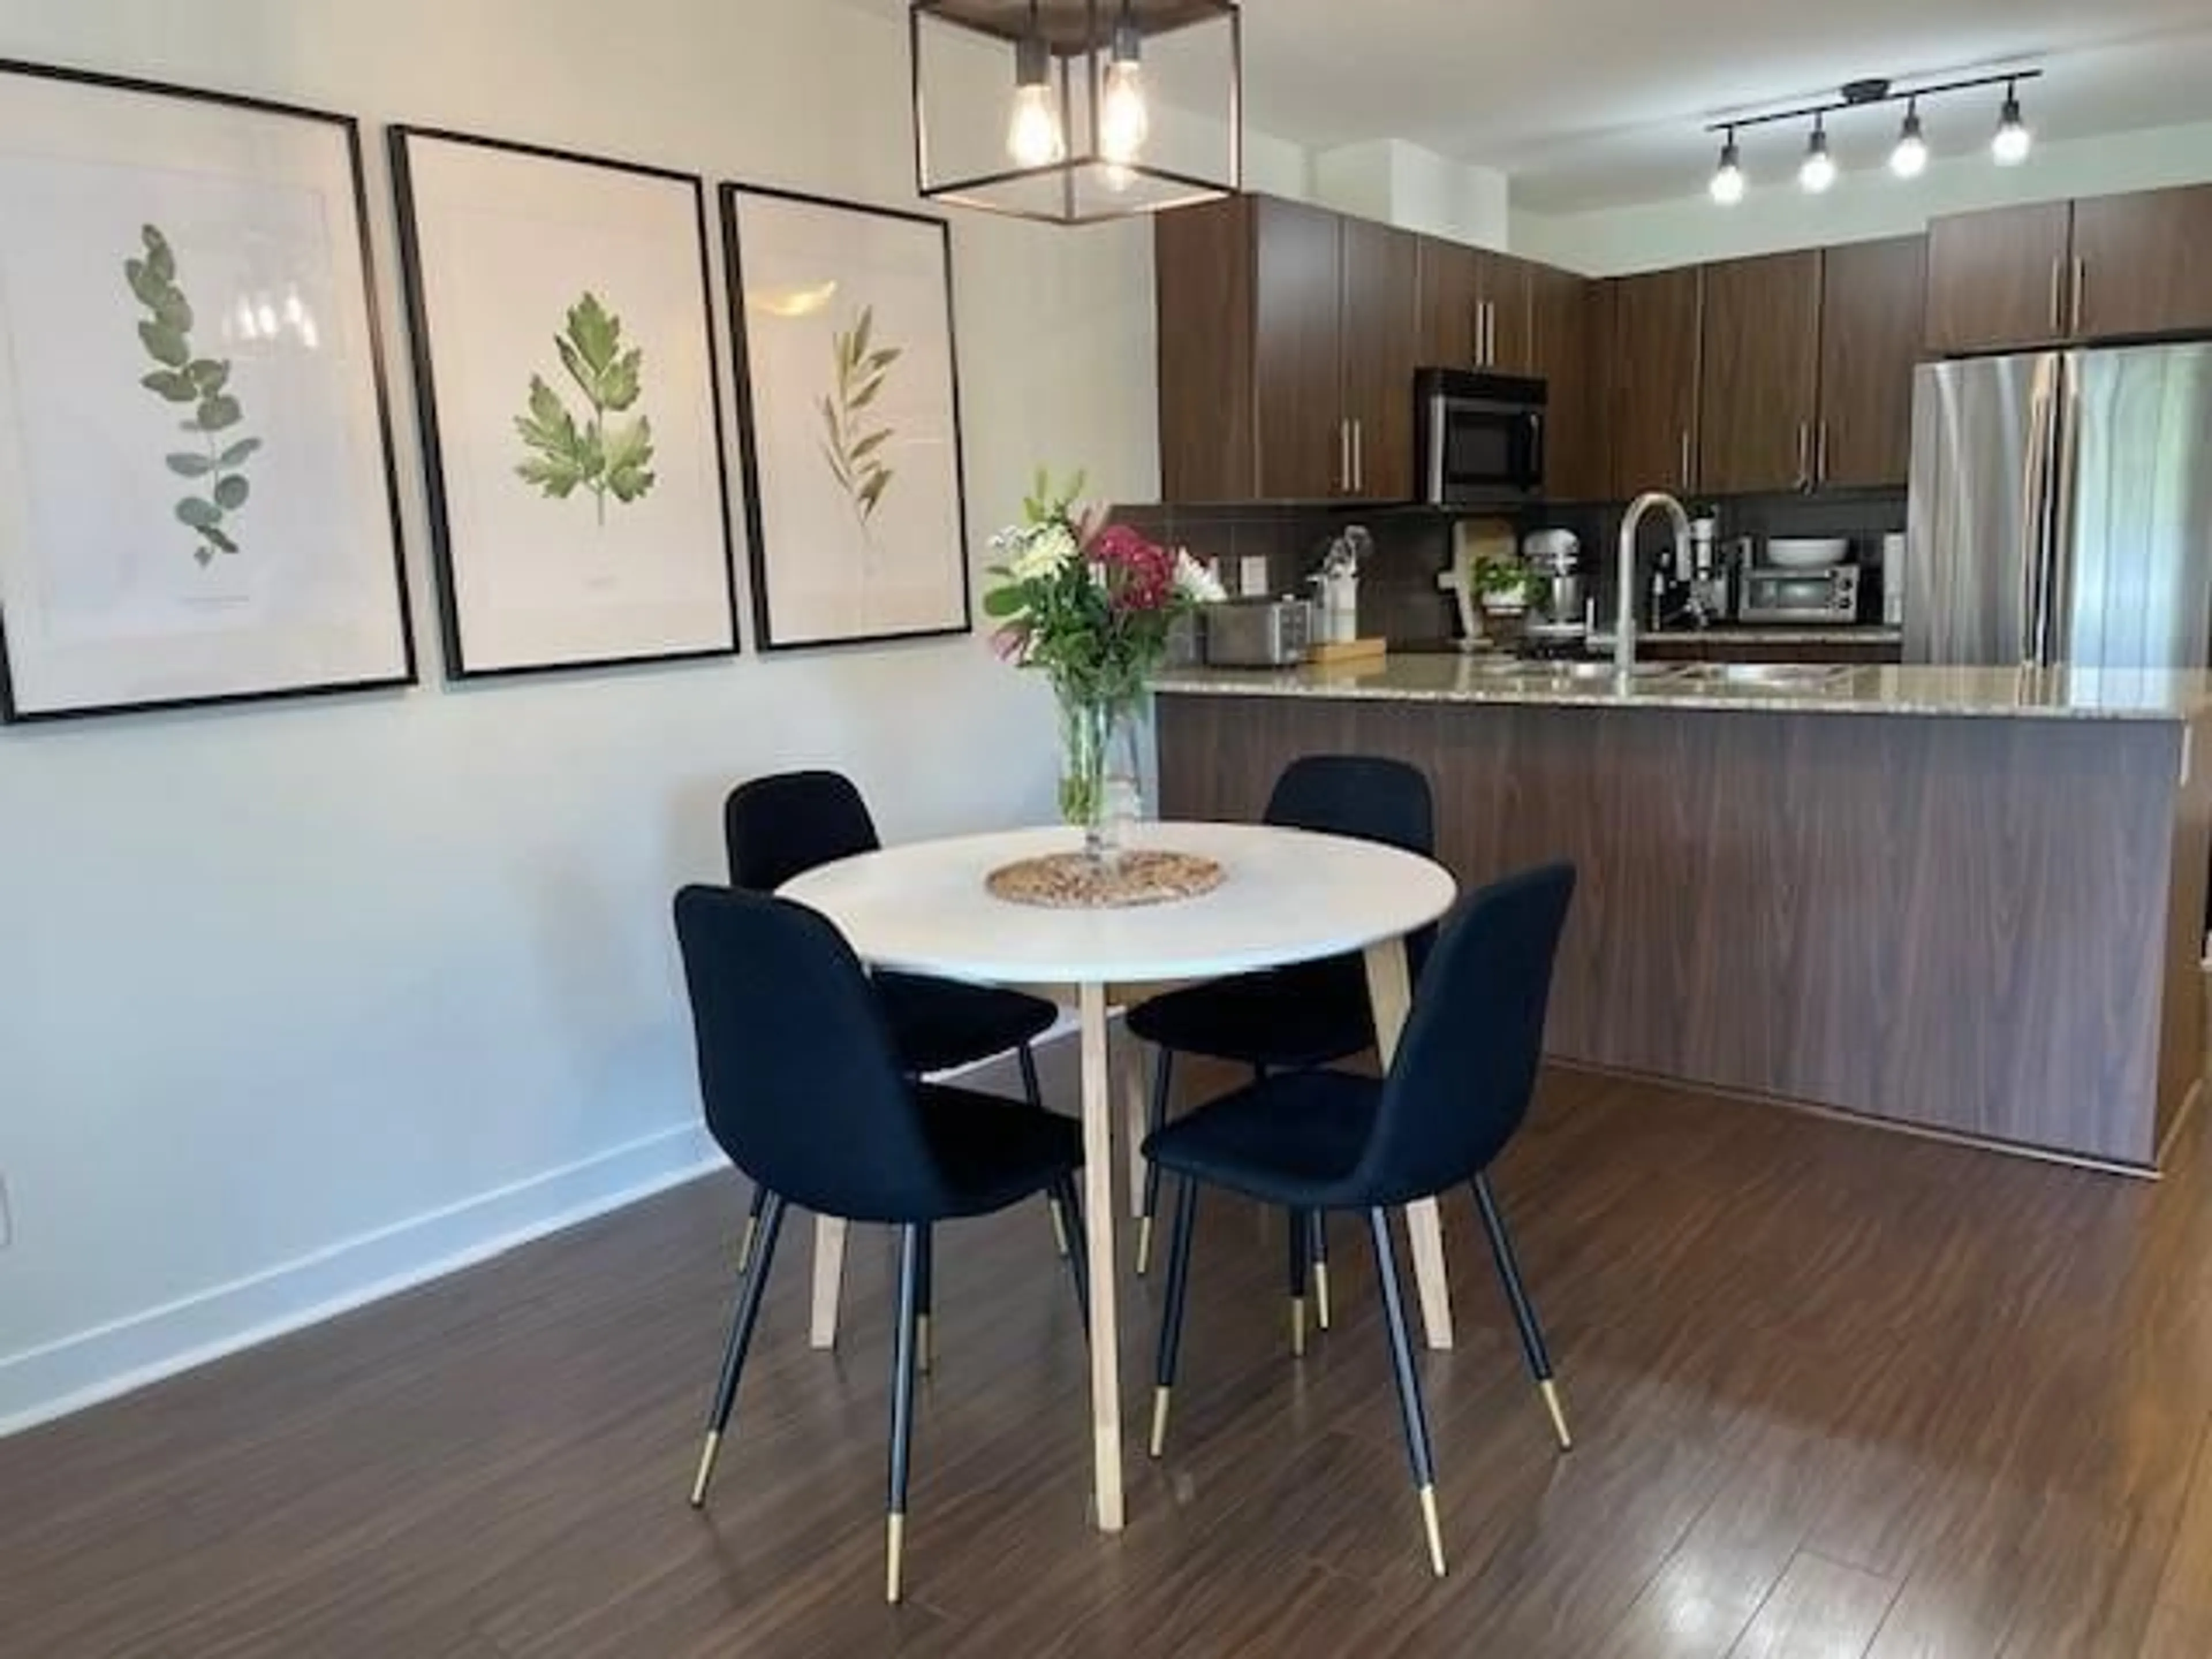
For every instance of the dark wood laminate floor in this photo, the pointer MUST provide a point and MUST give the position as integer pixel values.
(1838, 1393)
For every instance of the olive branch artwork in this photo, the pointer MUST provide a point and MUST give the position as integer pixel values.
(180, 378)
(601, 454)
(854, 447)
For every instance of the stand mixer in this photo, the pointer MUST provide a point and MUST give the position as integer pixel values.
(1558, 622)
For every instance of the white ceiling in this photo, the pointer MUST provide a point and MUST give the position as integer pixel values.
(1595, 103)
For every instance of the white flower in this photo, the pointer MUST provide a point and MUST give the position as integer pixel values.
(1045, 551)
(1195, 582)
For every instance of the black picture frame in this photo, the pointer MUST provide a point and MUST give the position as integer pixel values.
(422, 356)
(12, 711)
(756, 549)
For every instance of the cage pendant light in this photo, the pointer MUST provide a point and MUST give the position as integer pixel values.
(1075, 111)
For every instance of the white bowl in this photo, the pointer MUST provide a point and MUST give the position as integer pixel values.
(1807, 552)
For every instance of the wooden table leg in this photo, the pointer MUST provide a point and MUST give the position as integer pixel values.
(1389, 989)
(1136, 1106)
(1098, 1225)
(829, 1280)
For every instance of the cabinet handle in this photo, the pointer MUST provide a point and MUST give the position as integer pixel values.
(1820, 456)
(2057, 296)
(1490, 334)
(2080, 283)
(1686, 457)
(1343, 457)
(1358, 456)
(1804, 454)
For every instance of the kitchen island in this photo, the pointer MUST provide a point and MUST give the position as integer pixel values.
(1970, 902)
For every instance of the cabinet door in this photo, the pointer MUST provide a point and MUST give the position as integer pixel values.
(1653, 373)
(1572, 319)
(1761, 373)
(1380, 333)
(1450, 282)
(1997, 279)
(1507, 292)
(1297, 386)
(1871, 295)
(2143, 263)
(1202, 258)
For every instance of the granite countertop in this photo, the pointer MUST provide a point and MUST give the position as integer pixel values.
(2021, 693)
(1799, 634)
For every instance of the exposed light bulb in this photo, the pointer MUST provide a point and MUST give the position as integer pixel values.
(1727, 184)
(1910, 159)
(1124, 120)
(1818, 170)
(2012, 141)
(1035, 138)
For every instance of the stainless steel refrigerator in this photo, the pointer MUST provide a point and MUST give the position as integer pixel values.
(2061, 512)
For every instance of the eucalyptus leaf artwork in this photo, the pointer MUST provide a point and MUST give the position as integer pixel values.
(600, 454)
(854, 444)
(184, 380)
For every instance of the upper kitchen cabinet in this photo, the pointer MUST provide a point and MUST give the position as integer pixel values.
(1572, 316)
(1476, 308)
(1871, 325)
(1288, 338)
(2142, 264)
(1653, 378)
(1760, 377)
(1997, 279)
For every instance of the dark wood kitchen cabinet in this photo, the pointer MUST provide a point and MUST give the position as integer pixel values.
(1653, 377)
(1871, 295)
(1997, 280)
(1287, 338)
(2141, 264)
(1760, 382)
(1476, 308)
(1571, 320)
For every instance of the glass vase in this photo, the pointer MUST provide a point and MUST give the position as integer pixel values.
(1101, 789)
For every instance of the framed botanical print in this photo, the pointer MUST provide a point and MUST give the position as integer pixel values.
(197, 499)
(849, 419)
(571, 418)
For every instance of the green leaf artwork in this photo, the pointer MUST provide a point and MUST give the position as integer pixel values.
(852, 443)
(599, 455)
(180, 378)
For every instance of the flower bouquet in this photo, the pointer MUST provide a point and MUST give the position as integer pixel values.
(1091, 605)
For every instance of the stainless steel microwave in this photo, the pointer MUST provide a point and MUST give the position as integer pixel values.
(1479, 438)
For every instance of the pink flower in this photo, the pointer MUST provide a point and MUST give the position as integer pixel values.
(1012, 642)
(1140, 575)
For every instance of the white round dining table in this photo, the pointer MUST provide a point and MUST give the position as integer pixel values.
(1286, 896)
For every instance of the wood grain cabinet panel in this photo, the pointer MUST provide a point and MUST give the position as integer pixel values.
(1653, 376)
(1507, 289)
(1451, 292)
(1997, 280)
(2142, 264)
(1872, 299)
(1379, 333)
(1760, 375)
(1298, 352)
(1572, 318)
(1203, 282)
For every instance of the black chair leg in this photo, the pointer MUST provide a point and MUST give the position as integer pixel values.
(1317, 1225)
(925, 1348)
(1034, 1093)
(1064, 1202)
(741, 1338)
(1300, 1255)
(1156, 1117)
(751, 1235)
(1171, 1316)
(914, 1251)
(1524, 1311)
(1409, 1385)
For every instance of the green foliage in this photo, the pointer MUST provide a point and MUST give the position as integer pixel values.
(179, 377)
(852, 445)
(598, 453)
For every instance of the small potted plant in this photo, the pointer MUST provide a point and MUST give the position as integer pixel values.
(1505, 587)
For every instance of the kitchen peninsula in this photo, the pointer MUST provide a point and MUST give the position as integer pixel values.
(1964, 900)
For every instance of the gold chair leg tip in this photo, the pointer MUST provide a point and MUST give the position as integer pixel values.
(925, 1345)
(1321, 1294)
(1549, 1391)
(1144, 1245)
(894, 1557)
(1434, 1530)
(1298, 1327)
(706, 1470)
(1159, 1442)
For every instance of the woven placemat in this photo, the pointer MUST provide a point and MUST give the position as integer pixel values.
(1070, 881)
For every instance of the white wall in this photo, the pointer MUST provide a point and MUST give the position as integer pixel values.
(1866, 202)
(300, 997)
(1414, 188)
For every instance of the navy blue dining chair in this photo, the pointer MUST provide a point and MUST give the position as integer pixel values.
(805, 1092)
(1317, 1140)
(1310, 1014)
(780, 826)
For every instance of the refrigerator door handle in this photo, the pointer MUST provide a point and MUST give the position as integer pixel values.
(2065, 442)
(2035, 521)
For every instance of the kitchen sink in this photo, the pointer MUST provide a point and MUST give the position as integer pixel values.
(1765, 673)
(1574, 674)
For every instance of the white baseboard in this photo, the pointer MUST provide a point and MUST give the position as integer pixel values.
(87, 1367)
(91, 1365)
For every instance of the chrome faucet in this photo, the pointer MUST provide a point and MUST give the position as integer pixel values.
(1624, 616)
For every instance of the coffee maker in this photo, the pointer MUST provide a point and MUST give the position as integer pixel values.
(1558, 623)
